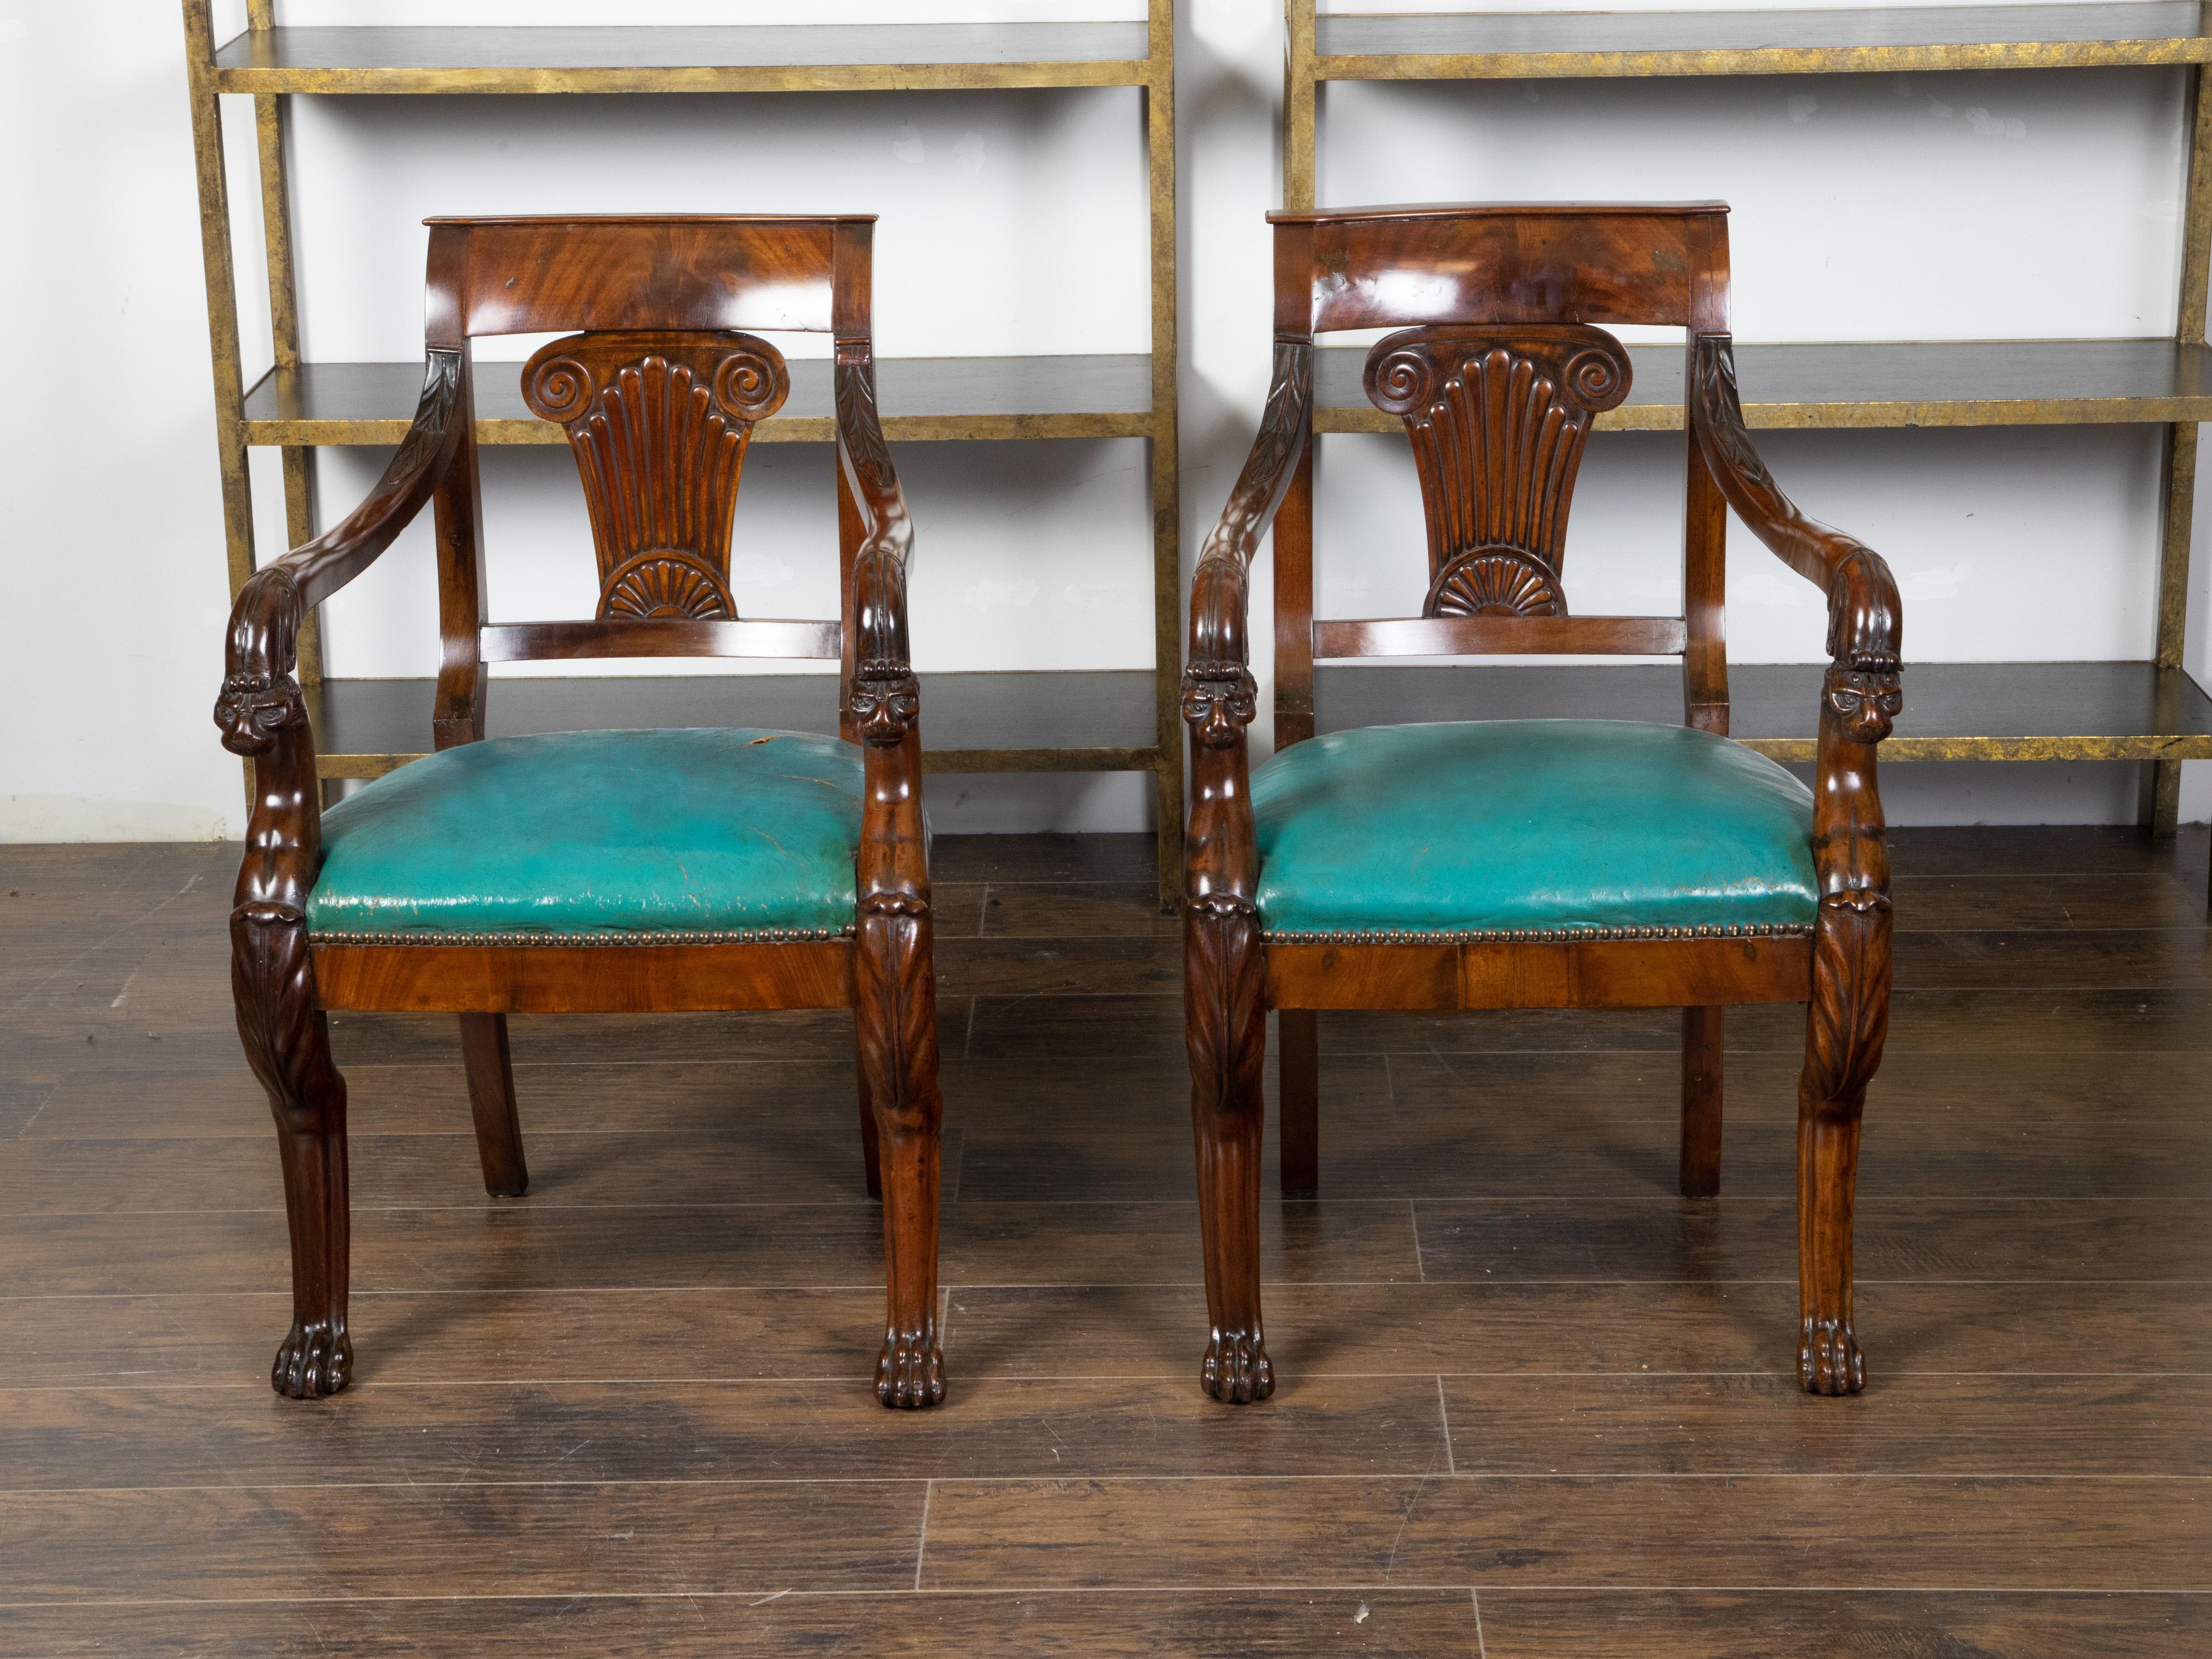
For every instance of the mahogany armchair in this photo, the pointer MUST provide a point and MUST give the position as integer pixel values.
(1523, 864)
(641, 872)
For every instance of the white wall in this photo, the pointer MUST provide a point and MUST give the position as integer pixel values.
(1866, 207)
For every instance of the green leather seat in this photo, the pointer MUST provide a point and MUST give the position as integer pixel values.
(600, 835)
(1530, 825)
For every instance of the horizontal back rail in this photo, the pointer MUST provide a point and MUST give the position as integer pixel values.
(547, 276)
(1483, 637)
(573, 642)
(1508, 264)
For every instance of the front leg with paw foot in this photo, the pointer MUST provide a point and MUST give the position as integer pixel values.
(1828, 1357)
(1236, 1370)
(313, 1361)
(910, 1373)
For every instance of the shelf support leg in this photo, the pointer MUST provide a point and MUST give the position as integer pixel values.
(2161, 792)
(1167, 507)
(2159, 808)
(222, 298)
(270, 115)
(1299, 97)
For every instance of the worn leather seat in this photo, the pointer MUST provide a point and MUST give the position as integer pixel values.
(1530, 825)
(600, 835)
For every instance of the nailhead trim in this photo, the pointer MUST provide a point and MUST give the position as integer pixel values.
(1545, 935)
(740, 936)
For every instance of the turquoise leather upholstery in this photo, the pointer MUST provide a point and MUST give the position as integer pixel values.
(597, 834)
(1529, 824)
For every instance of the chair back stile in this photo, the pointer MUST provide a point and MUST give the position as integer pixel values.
(1500, 366)
(658, 391)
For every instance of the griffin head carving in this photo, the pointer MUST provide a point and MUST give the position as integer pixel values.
(1218, 701)
(252, 711)
(886, 701)
(1866, 701)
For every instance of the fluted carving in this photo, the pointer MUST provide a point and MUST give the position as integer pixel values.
(659, 423)
(1498, 418)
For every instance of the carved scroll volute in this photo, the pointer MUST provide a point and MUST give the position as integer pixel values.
(659, 423)
(1498, 418)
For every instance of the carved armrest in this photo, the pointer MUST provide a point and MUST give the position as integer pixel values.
(1218, 697)
(1866, 620)
(885, 696)
(260, 710)
(1221, 851)
(1860, 696)
(264, 622)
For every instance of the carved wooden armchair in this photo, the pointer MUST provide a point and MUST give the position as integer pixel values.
(1523, 864)
(638, 872)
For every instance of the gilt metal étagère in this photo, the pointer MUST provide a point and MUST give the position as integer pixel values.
(995, 722)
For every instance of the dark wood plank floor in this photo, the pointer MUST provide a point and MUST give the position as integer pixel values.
(1533, 1404)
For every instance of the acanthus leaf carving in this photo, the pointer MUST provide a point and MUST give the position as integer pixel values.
(1275, 452)
(1226, 1029)
(895, 1023)
(1721, 409)
(287, 1042)
(860, 422)
(1848, 1017)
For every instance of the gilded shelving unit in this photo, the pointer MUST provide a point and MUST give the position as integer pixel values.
(2152, 711)
(1110, 722)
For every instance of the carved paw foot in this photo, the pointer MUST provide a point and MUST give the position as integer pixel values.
(1236, 1371)
(910, 1373)
(1828, 1357)
(313, 1361)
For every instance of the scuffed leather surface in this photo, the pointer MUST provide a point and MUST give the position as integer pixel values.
(599, 832)
(1529, 824)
